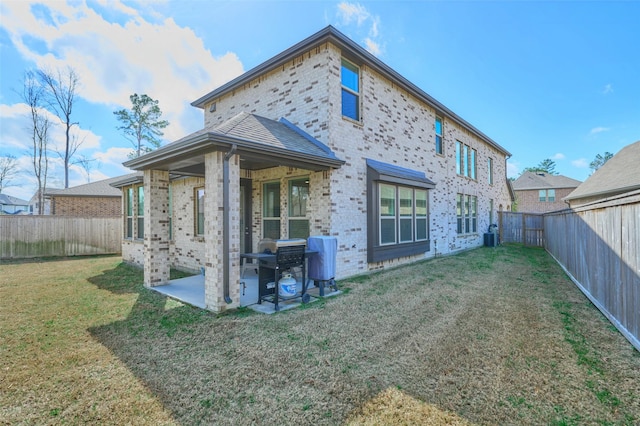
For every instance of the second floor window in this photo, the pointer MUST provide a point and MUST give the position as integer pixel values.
(465, 160)
(439, 147)
(547, 195)
(490, 170)
(350, 79)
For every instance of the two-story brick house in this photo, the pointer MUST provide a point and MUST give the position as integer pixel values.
(541, 192)
(322, 139)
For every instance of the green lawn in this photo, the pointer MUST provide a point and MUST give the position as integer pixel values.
(490, 336)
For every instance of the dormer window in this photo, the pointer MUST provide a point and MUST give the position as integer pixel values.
(350, 78)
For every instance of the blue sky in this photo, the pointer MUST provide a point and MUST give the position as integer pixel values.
(545, 79)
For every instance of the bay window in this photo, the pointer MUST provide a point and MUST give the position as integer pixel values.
(397, 200)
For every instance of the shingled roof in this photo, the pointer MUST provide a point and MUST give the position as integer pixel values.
(541, 180)
(277, 141)
(616, 176)
(101, 188)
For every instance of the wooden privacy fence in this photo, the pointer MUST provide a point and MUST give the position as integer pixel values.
(599, 248)
(525, 228)
(37, 236)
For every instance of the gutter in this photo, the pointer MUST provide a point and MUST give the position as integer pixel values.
(226, 222)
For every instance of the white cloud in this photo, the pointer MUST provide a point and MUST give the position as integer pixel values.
(558, 156)
(353, 12)
(117, 58)
(16, 134)
(372, 47)
(608, 88)
(597, 130)
(581, 163)
(349, 13)
(113, 158)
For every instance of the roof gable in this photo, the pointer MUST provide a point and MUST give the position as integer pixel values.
(355, 53)
(616, 176)
(541, 180)
(260, 140)
(101, 188)
(9, 200)
(280, 134)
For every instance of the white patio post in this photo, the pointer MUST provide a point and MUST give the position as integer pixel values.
(156, 227)
(214, 229)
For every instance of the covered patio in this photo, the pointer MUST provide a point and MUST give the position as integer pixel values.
(229, 159)
(191, 290)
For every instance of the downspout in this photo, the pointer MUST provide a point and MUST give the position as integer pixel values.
(225, 220)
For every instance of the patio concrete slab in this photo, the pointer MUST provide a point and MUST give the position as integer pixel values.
(190, 290)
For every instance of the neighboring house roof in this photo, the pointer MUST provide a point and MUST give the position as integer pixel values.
(261, 142)
(541, 180)
(101, 188)
(616, 176)
(8, 200)
(354, 52)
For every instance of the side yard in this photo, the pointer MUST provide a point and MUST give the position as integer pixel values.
(490, 336)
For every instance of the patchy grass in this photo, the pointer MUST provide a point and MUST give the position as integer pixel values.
(491, 336)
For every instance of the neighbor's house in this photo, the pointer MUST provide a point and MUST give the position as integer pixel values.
(34, 202)
(95, 199)
(616, 181)
(541, 192)
(13, 205)
(322, 139)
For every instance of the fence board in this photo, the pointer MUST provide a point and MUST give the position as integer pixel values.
(38, 236)
(600, 250)
(525, 228)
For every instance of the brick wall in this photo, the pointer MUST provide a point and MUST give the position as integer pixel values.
(529, 201)
(396, 128)
(87, 206)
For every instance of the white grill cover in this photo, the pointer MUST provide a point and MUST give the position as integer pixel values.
(322, 266)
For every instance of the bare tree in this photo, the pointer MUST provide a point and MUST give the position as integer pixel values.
(61, 92)
(87, 165)
(32, 95)
(8, 171)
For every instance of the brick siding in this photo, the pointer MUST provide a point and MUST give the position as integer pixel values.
(86, 206)
(529, 201)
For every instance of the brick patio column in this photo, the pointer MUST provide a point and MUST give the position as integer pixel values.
(214, 232)
(156, 227)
